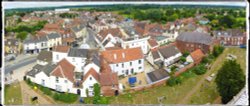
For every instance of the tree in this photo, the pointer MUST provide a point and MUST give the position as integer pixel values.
(230, 80)
(22, 35)
(217, 50)
(97, 92)
(200, 69)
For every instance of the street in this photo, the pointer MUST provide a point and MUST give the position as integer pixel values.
(19, 62)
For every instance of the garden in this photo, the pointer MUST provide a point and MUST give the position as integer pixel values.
(60, 97)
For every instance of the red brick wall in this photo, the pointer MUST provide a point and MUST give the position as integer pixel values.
(184, 69)
(190, 47)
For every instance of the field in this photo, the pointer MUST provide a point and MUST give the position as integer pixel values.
(12, 94)
(194, 90)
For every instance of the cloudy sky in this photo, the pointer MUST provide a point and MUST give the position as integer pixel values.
(10, 5)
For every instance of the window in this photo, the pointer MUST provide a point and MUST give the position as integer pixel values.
(65, 81)
(57, 57)
(132, 71)
(90, 78)
(130, 63)
(57, 80)
(122, 65)
(82, 60)
(73, 59)
(68, 90)
(90, 86)
(117, 65)
(139, 61)
(140, 68)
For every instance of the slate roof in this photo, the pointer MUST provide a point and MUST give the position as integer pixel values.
(11, 42)
(45, 56)
(155, 54)
(53, 35)
(157, 75)
(87, 53)
(195, 37)
(168, 51)
(47, 69)
(229, 33)
(78, 28)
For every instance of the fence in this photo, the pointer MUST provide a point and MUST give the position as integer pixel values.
(160, 82)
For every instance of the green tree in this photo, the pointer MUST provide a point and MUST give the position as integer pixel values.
(230, 80)
(22, 35)
(200, 69)
(97, 94)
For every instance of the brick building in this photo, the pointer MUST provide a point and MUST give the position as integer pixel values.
(190, 41)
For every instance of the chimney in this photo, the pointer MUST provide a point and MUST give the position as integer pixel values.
(115, 57)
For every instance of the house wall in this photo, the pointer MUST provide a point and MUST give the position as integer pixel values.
(88, 84)
(65, 85)
(58, 56)
(170, 61)
(128, 67)
(190, 47)
(91, 65)
(233, 41)
(78, 62)
(143, 42)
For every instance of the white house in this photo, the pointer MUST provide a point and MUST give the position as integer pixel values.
(165, 55)
(136, 41)
(64, 77)
(39, 43)
(125, 61)
(77, 57)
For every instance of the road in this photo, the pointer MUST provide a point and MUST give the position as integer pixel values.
(19, 64)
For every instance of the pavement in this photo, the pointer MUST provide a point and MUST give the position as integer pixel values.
(20, 72)
(20, 61)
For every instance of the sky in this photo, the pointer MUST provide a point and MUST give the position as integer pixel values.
(11, 5)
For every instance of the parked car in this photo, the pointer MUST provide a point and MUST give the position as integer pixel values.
(10, 57)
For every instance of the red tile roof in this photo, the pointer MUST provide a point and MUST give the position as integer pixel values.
(113, 31)
(64, 69)
(108, 79)
(93, 73)
(63, 49)
(152, 42)
(122, 55)
(197, 55)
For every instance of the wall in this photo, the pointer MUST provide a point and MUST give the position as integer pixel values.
(122, 70)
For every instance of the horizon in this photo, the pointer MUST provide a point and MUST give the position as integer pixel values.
(23, 5)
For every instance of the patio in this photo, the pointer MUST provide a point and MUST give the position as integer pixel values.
(140, 77)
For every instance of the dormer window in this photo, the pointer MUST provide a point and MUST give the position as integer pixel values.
(90, 78)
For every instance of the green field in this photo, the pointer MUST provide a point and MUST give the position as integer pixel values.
(195, 90)
(12, 94)
(207, 93)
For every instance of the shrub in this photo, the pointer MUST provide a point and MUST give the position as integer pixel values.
(65, 97)
(46, 90)
(174, 81)
(183, 59)
(217, 50)
(186, 53)
(200, 69)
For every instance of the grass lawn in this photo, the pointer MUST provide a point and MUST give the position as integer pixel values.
(207, 93)
(173, 94)
(12, 94)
